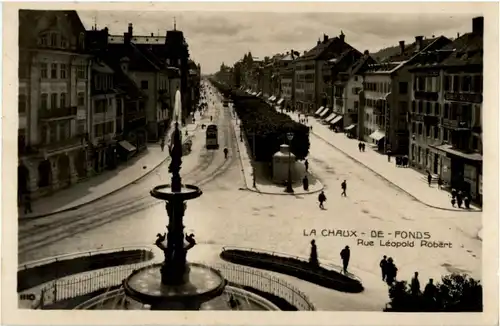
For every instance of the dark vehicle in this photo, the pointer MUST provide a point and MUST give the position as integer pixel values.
(212, 141)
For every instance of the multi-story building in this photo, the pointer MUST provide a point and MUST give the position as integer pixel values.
(446, 110)
(286, 87)
(309, 81)
(54, 94)
(102, 116)
(387, 96)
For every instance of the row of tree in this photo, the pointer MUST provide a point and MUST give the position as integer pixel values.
(264, 127)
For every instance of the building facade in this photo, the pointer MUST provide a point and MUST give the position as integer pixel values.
(446, 113)
(54, 96)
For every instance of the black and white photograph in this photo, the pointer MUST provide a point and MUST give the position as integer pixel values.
(252, 160)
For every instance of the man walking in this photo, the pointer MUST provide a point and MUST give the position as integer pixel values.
(429, 178)
(321, 199)
(344, 188)
(345, 254)
(306, 165)
(383, 267)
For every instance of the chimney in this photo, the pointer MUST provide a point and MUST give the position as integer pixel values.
(342, 36)
(319, 42)
(418, 43)
(152, 34)
(130, 29)
(402, 47)
(478, 25)
(325, 38)
(458, 35)
(127, 36)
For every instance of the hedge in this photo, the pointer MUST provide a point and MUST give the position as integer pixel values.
(269, 127)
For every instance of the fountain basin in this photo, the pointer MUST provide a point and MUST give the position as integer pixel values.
(203, 284)
(187, 192)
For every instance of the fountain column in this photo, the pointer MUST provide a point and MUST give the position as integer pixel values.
(175, 284)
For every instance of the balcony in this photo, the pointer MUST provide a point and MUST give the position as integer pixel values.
(426, 96)
(61, 145)
(58, 113)
(463, 97)
(456, 124)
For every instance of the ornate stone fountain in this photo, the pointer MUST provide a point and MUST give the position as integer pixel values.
(175, 284)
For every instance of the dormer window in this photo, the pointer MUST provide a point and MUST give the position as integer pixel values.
(64, 43)
(42, 40)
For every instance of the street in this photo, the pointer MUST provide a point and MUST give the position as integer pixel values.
(225, 215)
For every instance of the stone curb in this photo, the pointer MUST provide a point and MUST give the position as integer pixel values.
(395, 185)
(72, 208)
(256, 190)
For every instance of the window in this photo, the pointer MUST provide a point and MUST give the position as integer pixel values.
(413, 106)
(421, 84)
(413, 127)
(53, 101)
(477, 84)
(81, 99)
(53, 133)
(466, 83)
(447, 83)
(436, 132)
(428, 108)
(62, 71)
(81, 127)
(53, 71)
(437, 109)
(403, 88)
(53, 40)
(62, 100)
(144, 84)
(43, 40)
(420, 107)
(428, 85)
(65, 130)
(445, 134)
(456, 83)
(43, 70)
(118, 106)
(420, 129)
(446, 112)
(428, 130)
(64, 43)
(80, 72)
(97, 82)
(44, 98)
(22, 103)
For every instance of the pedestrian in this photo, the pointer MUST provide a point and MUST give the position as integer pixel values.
(440, 182)
(345, 254)
(430, 292)
(321, 199)
(27, 203)
(162, 144)
(364, 147)
(360, 146)
(344, 188)
(383, 267)
(306, 165)
(429, 178)
(467, 202)
(305, 183)
(392, 271)
(389, 155)
(313, 257)
(310, 128)
(415, 285)
(453, 193)
(453, 201)
(459, 201)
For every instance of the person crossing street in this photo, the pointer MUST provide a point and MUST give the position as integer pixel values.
(344, 188)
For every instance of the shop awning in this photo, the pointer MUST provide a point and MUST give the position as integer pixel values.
(127, 146)
(324, 112)
(330, 117)
(350, 127)
(337, 119)
(450, 150)
(254, 93)
(272, 98)
(259, 94)
(377, 135)
(280, 101)
(319, 110)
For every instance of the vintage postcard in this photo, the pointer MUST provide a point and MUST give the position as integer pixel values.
(200, 163)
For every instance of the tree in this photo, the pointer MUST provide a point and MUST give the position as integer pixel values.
(455, 293)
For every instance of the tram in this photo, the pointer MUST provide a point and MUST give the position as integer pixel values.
(212, 141)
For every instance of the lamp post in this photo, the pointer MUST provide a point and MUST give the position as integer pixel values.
(253, 155)
(289, 189)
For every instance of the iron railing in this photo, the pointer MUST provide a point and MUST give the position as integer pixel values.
(326, 264)
(75, 286)
(74, 255)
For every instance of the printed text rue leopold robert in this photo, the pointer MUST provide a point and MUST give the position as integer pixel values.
(395, 239)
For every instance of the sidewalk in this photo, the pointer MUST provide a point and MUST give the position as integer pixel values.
(104, 184)
(262, 184)
(406, 179)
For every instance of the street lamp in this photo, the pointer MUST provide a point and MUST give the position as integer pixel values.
(289, 189)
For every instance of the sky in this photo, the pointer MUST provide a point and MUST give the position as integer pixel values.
(216, 37)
